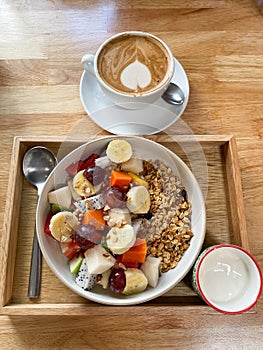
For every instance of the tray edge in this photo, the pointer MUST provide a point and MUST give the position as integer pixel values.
(228, 144)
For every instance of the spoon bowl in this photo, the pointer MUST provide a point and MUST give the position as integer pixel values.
(174, 95)
(38, 162)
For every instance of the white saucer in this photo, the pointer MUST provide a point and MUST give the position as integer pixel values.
(117, 120)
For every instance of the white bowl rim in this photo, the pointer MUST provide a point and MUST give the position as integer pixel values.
(140, 297)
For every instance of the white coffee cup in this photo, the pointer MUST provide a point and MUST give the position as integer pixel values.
(132, 91)
(227, 278)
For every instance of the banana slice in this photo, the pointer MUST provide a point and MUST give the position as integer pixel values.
(120, 239)
(119, 151)
(144, 208)
(62, 225)
(119, 217)
(138, 200)
(82, 185)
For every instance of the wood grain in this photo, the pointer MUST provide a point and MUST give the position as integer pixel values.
(220, 45)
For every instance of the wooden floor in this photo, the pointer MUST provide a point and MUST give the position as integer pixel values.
(220, 45)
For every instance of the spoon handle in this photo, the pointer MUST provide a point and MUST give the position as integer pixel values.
(35, 269)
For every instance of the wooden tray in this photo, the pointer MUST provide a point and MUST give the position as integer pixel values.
(225, 224)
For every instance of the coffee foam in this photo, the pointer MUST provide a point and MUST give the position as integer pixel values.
(133, 64)
(136, 75)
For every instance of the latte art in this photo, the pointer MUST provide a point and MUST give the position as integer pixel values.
(136, 75)
(134, 64)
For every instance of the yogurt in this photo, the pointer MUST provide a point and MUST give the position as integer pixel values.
(223, 276)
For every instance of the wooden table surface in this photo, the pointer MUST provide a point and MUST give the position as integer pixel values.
(220, 45)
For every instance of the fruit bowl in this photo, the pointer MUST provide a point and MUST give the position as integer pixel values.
(149, 150)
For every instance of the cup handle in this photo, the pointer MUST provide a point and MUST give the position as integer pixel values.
(87, 62)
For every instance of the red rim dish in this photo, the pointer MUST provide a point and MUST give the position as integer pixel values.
(201, 291)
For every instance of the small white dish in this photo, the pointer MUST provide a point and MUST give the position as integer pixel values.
(149, 120)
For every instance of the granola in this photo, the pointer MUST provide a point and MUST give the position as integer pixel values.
(168, 232)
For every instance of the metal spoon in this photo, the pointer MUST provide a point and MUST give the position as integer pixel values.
(174, 95)
(38, 162)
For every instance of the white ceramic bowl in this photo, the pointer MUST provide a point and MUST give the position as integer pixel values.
(149, 150)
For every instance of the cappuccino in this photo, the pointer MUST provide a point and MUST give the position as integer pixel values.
(133, 64)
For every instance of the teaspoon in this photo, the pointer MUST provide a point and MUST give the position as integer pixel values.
(38, 162)
(174, 95)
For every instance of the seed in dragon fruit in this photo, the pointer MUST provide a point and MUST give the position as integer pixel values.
(95, 202)
(81, 205)
(84, 279)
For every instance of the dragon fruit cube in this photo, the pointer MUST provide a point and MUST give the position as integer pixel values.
(84, 279)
